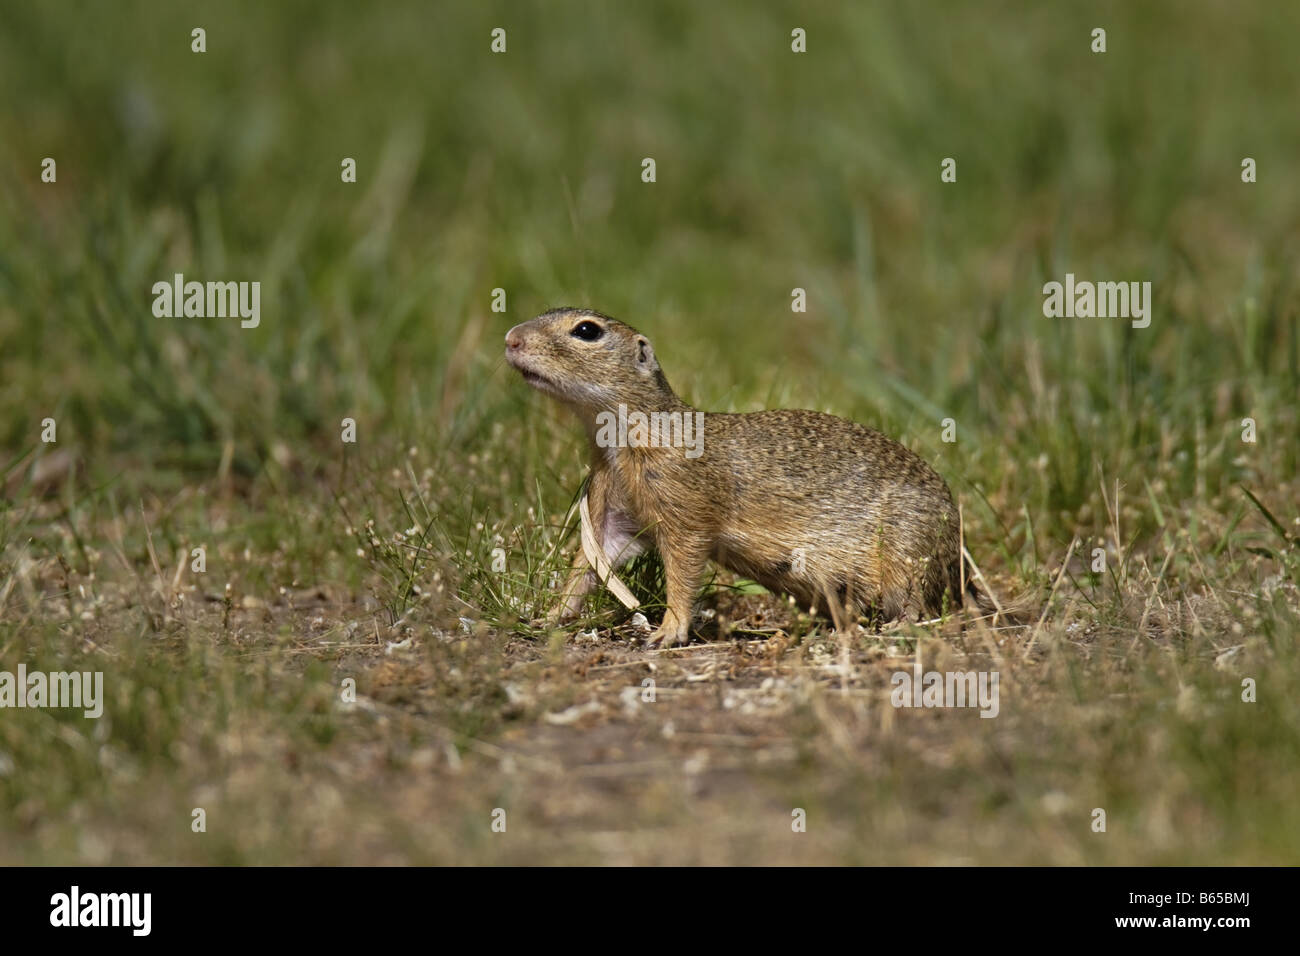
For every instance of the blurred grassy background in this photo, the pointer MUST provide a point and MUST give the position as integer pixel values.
(522, 171)
(775, 170)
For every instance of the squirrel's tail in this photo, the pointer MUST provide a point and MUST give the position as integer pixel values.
(1020, 611)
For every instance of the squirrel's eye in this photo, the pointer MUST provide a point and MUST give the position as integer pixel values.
(587, 331)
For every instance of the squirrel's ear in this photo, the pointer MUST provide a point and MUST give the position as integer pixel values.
(646, 355)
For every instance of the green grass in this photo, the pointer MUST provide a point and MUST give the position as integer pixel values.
(375, 561)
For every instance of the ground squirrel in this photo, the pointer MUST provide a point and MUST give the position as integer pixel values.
(807, 504)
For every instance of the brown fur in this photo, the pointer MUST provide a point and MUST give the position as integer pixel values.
(874, 525)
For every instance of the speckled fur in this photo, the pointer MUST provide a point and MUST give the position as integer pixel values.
(875, 525)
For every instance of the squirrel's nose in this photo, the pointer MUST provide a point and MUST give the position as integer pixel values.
(514, 339)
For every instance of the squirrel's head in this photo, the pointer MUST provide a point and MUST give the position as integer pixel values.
(588, 360)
